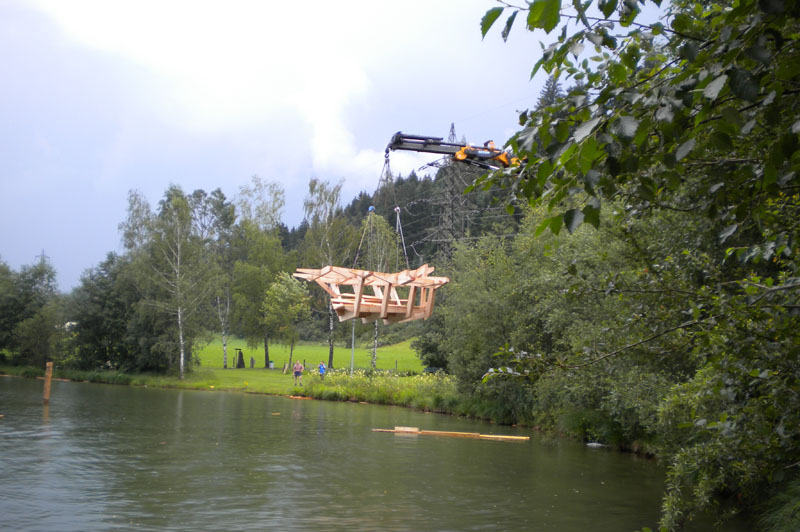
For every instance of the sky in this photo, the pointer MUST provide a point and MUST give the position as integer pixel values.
(98, 98)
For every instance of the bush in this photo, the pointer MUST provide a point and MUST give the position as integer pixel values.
(29, 372)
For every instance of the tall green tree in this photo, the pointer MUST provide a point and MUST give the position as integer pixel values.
(329, 240)
(101, 308)
(32, 313)
(551, 93)
(170, 248)
(259, 257)
(216, 221)
(286, 303)
(698, 114)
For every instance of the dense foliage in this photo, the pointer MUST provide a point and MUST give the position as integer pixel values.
(681, 141)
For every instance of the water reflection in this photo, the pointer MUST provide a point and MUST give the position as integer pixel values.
(124, 458)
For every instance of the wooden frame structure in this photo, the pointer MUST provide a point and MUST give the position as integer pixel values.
(348, 290)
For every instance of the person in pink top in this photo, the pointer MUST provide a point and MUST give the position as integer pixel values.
(298, 372)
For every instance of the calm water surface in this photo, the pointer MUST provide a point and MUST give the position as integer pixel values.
(116, 458)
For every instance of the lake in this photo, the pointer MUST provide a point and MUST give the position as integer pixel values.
(103, 457)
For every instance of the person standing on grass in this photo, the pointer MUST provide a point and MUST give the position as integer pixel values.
(298, 372)
(322, 370)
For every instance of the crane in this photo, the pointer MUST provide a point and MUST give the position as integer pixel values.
(487, 156)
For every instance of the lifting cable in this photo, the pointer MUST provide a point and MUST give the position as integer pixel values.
(386, 174)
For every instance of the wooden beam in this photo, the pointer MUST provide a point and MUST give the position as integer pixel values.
(358, 290)
(454, 434)
(410, 303)
(385, 302)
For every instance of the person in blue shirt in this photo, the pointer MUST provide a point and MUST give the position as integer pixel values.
(322, 370)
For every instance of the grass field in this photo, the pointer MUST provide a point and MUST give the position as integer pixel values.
(211, 376)
(399, 356)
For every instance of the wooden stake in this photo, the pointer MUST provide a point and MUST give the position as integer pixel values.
(48, 376)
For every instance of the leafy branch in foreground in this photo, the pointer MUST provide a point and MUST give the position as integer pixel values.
(696, 115)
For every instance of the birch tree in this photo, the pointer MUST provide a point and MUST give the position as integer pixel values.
(173, 262)
(329, 239)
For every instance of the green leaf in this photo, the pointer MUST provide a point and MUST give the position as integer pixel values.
(772, 7)
(588, 155)
(684, 149)
(688, 51)
(665, 114)
(722, 141)
(582, 131)
(608, 7)
(759, 53)
(591, 215)
(626, 127)
(573, 218)
(646, 192)
(489, 18)
(509, 23)
(555, 224)
(732, 117)
(562, 131)
(744, 85)
(712, 89)
(727, 232)
(544, 14)
(542, 226)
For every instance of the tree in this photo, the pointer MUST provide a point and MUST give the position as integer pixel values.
(285, 304)
(170, 248)
(699, 116)
(101, 308)
(329, 240)
(262, 203)
(260, 258)
(551, 93)
(219, 216)
(31, 313)
(10, 305)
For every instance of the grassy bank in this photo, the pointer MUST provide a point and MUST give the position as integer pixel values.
(209, 375)
(423, 392)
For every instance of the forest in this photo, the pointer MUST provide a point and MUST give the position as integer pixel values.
(632, 281)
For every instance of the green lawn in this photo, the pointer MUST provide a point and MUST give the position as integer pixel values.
(211, 376)
(400, 354)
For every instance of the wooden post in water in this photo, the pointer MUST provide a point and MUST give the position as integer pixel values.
(48, 375)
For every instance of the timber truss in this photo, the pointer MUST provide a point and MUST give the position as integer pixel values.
(393, 297)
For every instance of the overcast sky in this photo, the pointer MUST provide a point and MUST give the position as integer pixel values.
(100, 97)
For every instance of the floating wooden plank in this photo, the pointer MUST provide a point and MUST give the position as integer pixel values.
(374, 295)
(473, 435)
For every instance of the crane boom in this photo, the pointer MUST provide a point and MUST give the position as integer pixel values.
(486, 156)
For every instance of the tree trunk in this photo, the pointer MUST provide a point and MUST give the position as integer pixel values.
(375, 346)
(224, 350)
(291, 352)
(180, 338)
(330, 334)
(223, 323)
(266, 351)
